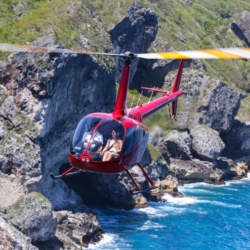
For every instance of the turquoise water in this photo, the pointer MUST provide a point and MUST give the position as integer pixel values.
(207, 217)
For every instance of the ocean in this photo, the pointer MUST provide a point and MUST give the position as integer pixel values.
(207, 217)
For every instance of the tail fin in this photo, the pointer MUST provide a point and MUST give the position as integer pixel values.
(176, 88)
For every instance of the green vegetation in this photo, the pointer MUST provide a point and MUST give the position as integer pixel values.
(202, 24)
(155, 154)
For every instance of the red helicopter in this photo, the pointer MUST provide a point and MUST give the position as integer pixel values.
(124, 126)
(110, 143)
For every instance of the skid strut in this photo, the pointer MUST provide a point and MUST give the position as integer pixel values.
(136, 185)
(66, 173)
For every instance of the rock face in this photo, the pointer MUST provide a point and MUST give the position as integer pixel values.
(214, 136)
(32, 215)
(56, 97)
(11, 238)
(19, 155)
(241, 27)
(219, 106)
(195, 171)
(238, 139)
(134, 33)
(206, 142)
(140, 24)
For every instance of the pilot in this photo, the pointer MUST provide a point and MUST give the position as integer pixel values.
(112, 148)
(97, 139)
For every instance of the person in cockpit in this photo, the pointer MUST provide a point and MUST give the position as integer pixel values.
(112, 148)
(97, 139)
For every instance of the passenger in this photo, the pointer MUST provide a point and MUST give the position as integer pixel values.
(112, 148)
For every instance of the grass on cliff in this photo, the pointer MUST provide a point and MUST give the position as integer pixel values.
(202, 24)
(85, 24)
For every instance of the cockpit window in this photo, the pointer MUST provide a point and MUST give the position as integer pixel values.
(93, 133)
(83, 132)
(129, 140)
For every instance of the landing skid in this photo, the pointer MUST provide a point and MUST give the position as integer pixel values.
(73, 171)
(66, 173)
(138, 190)
(143, 190)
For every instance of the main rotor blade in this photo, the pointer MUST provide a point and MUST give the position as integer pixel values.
(227, 53)
(5, 47)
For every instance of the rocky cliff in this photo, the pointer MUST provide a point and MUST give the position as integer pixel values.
(42, 98)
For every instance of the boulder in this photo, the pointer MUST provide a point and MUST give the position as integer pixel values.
(158, 170)
(78, 229)
(32, 215)
(11, 238)
(206, 142)
(231, 169)
(169, 184)
(195, 171)
(178, 145)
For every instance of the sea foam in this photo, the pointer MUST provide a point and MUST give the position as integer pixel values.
(180, 200)
(107, 239)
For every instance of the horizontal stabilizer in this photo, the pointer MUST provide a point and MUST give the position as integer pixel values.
(156, 90)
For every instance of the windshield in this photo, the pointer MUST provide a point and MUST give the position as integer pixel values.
(93, 133)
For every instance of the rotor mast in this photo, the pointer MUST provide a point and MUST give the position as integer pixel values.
(120, 108)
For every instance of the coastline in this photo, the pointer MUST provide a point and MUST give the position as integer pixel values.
(169, 212)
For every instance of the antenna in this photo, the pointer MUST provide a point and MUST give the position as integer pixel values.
(151, 95)
(131, 105)
(139, 99)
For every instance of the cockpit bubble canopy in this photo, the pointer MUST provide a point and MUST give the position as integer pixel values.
(92, 133)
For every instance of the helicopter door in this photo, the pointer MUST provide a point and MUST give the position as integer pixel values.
(129, 140)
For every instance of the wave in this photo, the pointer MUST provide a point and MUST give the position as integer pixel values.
(243, 180)
(108, 240)
(182, 201)
(156, 210)
(197, 191)
(150, 225)
(202, 187)
(202, 184)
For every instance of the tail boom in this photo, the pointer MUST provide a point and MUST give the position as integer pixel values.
(147, 109)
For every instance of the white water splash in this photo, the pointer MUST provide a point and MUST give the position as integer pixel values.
(108, 240)
(180, 200)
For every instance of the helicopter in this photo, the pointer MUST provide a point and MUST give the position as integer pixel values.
(95, 132)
